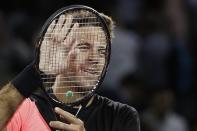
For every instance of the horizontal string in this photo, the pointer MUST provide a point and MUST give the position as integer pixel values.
(71, 87)
(84, 92)
(84, 32)
(51, 77)
(43, 53)
(79, 18)
(48, 76)
(72, 60)
(64, 76)
(71, 81)
(57, 66)
(83, 22)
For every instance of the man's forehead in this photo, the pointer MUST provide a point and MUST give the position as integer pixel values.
(92, 34)
(93, 30)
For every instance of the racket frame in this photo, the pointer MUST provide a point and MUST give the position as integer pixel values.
(41, 35)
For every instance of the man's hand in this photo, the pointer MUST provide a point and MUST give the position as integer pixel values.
(56, 45)
(75, 124)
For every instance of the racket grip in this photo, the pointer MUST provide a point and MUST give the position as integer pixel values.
(27, 81)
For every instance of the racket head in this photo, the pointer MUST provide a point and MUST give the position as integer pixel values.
(96, 31)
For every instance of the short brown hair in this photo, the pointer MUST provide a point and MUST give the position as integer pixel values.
(110, 23)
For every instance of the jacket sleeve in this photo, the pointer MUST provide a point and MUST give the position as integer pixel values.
(127, 119)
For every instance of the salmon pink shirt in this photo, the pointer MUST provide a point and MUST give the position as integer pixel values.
(27, 118)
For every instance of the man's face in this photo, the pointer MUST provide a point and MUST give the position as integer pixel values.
(72, 57)
(87, 57)
(85, 61)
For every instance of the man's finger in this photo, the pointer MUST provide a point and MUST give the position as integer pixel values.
(59, 24)
(73, 31)
(61, 125)
(59, 36)
(70, 39)
(68, 116)
(67, 25)
(50, 29)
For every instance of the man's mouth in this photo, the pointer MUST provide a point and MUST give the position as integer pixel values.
(92, 71)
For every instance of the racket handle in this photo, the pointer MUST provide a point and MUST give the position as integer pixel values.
(27, 81)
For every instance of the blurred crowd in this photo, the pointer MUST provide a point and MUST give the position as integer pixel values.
(153, 61)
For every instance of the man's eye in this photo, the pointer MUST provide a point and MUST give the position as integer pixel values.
(83, 46)
(102, 51)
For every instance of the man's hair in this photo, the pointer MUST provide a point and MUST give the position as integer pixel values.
(110, 24)
(81, 16)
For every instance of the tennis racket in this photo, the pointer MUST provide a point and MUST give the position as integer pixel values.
(73, 52)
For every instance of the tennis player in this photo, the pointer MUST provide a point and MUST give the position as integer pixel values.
(25, 107)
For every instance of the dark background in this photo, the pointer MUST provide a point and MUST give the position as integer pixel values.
(153, 63)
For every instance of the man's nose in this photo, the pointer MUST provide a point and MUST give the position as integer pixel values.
(93, 60)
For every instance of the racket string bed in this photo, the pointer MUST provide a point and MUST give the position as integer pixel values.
(74, 53)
